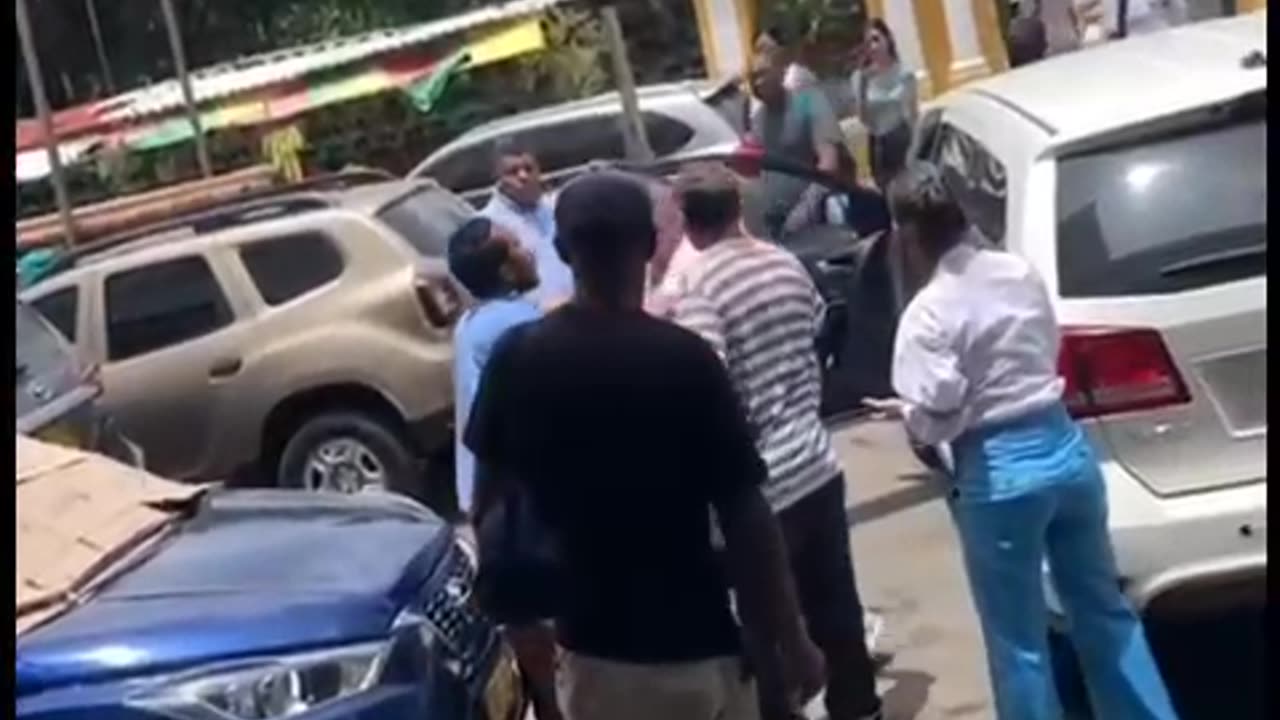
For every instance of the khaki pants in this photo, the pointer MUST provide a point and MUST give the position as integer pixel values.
(590, 688)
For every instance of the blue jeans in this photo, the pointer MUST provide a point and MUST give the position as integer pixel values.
(1006, 539)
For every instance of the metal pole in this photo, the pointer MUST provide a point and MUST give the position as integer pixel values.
(91, 9)
(633, 130)
(35, 79)
(188, 97)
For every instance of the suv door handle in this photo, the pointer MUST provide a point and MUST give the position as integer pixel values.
(225, 367)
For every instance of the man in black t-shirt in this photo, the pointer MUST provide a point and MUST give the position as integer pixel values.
(566, 408)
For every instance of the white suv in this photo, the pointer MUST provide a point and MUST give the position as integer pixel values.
(1134, 177)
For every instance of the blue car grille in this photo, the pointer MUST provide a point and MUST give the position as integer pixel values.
(467, 635)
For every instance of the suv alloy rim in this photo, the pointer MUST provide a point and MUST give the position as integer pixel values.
(344, 464)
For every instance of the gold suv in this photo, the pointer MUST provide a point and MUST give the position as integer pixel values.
(302, 338)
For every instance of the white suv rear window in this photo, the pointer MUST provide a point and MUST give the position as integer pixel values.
(1167, 213)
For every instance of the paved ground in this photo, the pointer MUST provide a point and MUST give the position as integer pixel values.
(909, 569)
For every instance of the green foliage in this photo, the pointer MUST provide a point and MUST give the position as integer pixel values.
(573, 66)
(827, 30)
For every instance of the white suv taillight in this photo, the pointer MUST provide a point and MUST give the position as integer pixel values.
(439, 299)
(1117, 370)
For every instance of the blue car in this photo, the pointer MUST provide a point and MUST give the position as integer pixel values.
(266, 604)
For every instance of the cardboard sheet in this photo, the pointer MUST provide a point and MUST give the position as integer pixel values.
(76, 510)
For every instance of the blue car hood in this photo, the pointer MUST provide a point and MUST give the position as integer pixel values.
(254, 572)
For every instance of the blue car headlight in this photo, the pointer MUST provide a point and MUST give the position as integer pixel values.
(271, 689)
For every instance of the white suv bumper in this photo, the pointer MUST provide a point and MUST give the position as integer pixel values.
(1162, 544)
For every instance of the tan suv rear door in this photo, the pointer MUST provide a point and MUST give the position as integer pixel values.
(172, 354)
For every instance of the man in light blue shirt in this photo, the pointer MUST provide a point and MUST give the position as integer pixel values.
(520, 205)
(498, 272)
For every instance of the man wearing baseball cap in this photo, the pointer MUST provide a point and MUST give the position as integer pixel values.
(564, 410)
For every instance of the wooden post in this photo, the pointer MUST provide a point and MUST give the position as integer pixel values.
(35, 78)
(634, 134)
(95, 29)
(188, 96)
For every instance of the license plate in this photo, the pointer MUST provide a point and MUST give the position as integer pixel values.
(502, 694)
(61, 433)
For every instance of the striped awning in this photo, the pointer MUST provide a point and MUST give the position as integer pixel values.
(286, 100)
(259, 71)
(290, 100)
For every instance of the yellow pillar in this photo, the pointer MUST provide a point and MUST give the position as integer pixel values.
(935, 42)
(948, 42)
(990, 38)
(725, 30)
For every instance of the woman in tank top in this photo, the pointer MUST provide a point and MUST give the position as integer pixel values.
(884, 100)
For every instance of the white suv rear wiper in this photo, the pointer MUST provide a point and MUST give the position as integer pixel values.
(1219, 257)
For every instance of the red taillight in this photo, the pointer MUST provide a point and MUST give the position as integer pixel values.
(1116, 370)
(439, 300)
(748, 158)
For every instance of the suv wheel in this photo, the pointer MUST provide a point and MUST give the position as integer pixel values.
(346, 451)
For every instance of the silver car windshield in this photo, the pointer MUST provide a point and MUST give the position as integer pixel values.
(46, 366)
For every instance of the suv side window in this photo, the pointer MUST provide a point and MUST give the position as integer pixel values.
(666, 134)
(467, 169)
(977, 178)
(564, 145)
(282, 268)
(161, 305)
(59, 308)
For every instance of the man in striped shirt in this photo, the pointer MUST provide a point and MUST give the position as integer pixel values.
(757, 307)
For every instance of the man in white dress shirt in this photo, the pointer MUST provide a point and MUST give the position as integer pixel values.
(520, 204)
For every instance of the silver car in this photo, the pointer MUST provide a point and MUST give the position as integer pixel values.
(55, 394)
(679, 118)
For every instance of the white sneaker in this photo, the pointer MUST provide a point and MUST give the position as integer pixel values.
(873, 625)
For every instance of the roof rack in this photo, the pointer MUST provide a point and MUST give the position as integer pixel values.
(205, 221)
(342, 180)
(331, 182)
(242, 209)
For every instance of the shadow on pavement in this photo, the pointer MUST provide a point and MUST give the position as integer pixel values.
(918, 493)
(908, 695)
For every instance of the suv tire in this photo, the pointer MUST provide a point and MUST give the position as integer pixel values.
(376, 448)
